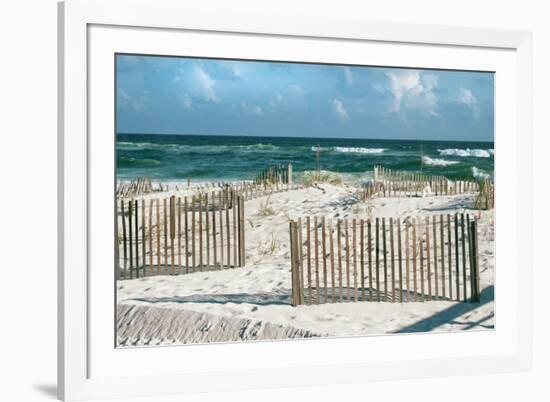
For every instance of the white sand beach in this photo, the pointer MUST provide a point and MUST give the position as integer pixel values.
(253, 302)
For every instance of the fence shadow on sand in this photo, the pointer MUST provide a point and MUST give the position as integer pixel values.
(450, 314)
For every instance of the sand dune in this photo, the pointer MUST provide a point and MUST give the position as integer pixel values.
(259, 293)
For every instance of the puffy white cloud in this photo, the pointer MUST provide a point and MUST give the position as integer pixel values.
(205, 83)
(414, 90)
(466, 97)
(339, 109)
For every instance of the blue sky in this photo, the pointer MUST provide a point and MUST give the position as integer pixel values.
(170, 95)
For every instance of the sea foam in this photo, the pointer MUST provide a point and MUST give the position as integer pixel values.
(477, 153)
(479, 173)
(359, 150)
(437, 162)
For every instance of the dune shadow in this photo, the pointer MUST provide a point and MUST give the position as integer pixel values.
(461, 204)
(260, 299)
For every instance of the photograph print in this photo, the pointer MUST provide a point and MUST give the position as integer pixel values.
(270, 200)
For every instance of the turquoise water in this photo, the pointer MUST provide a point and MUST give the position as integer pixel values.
(178, 157)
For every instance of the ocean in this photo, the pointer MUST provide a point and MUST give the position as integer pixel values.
(224, 158)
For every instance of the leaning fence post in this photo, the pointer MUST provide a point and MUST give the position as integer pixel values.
(475, 261)
(294, 264)
(241, 232)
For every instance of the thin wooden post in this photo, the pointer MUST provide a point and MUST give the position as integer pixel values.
(242, 241)
(220, 206)
(235, 245)
(339, 234)
(392, 261)
(151, 237)
(143, 237)
(449, 256)
(301, 258)
(436, 274)
(201, 248)
(228, 228)
(186, 235)
(475, 261)
(333, 280)
(421, 250)
(324, 250)
(136, 217)
(158, 236)
(308, 254)
(130, 237)
(415, 288)
(384, 248)
(428, 261)
(377, 259)
(399, 256)
(348, 282)
(457, 266)
(362, 248)
(165, 212)
(207, 228)
(442, 243)
(193, 219)
(407, 268)
(316, 240)
(124, 248)
(354, 241)
(294, 263)
(463, 241)
(172, 229)
(179, 235)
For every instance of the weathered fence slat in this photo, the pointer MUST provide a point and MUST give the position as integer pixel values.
(308, 254)
(339, 235)
(324, 249)
(332, 274)
(316, 251)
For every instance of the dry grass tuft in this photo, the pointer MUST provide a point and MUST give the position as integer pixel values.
(265, 209)
(310, 177)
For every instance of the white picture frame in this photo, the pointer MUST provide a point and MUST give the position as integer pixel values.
(90, 31)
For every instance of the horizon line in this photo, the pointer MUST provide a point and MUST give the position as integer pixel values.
(285, 136)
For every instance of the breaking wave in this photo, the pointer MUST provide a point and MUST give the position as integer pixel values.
(477, 153)
(480, 174)
(437, 162)
(359, 150)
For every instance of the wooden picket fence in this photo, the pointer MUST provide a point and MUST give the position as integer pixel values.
(279, 173)
(393, 183)
(486, 196)
(140, 186)
(382, 173)
(177, 235)
(395, 259)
